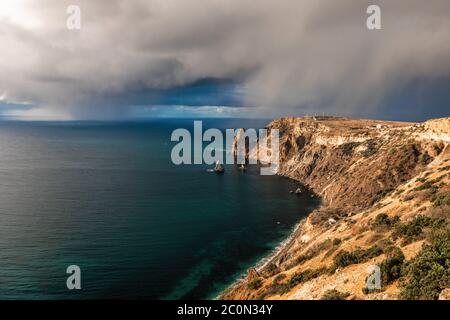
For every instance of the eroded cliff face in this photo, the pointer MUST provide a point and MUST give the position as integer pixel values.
(362, 169)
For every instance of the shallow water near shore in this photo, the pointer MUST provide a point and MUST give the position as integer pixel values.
(106, 197)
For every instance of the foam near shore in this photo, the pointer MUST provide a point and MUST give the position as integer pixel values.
(269, 258)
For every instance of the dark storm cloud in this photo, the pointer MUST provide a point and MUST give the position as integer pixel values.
(287, 56)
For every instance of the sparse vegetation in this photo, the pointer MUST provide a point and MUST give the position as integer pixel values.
(311, 253)
(425, 186)
(297, 278)
(371, 149)
(279, 278)
(334, 295)
(271, 269)
(306, 275)
(412, 230)
(347, 148)
(254, 284)
(366, 290)
(345, 258)
(382, 221)
(336, 243)
(425, 159)
(381, 194)
(438, 179)
(442, 199)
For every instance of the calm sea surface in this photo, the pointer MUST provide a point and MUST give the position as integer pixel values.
(106, 197)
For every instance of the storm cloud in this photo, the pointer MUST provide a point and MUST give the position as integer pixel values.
(282, 57)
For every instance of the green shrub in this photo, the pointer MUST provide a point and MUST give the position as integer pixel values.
(366, 290)
(380, 195)
(442, 199)
(301, 259)
(438, 224)
(425, 159)
(254, 284)
(300, 277)
(347, 148)
(345, 258)
(279, 278)
(371, 149)
(412, 230)
(439, 179)
(304, 276)
(427, 274)
(425, 186)
(382, 221)
(275, 288)
(391, 267)
(372, 252)
(334, 295)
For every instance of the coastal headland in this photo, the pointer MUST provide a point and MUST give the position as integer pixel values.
(385, 189)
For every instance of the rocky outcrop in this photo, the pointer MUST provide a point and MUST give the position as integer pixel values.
(360, 168)
(445, 294)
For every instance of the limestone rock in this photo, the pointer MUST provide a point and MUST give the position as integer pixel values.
(445, 294)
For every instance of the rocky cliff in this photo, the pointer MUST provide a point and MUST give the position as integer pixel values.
(376, 179)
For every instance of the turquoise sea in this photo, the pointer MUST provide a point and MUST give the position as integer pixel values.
(105, 196)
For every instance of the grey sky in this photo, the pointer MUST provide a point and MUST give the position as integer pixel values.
(288, 56)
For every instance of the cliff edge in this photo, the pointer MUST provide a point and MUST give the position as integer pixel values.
(385, 200)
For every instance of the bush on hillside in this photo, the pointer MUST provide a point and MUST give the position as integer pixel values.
(442, 199)
(427, 274)
(382, 221)
(391, 267)
(334, 295)
(278, 278)
(345, 258)
(412, 230)
(254, 284)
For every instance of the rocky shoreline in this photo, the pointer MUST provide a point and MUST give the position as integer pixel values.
(361, 169)
(267, 260)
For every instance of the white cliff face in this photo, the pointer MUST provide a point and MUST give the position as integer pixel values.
(339, 140)
(437, 130)
(434, 136)
(438, 125)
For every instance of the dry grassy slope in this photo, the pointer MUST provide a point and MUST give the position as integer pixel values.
(361, 168)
